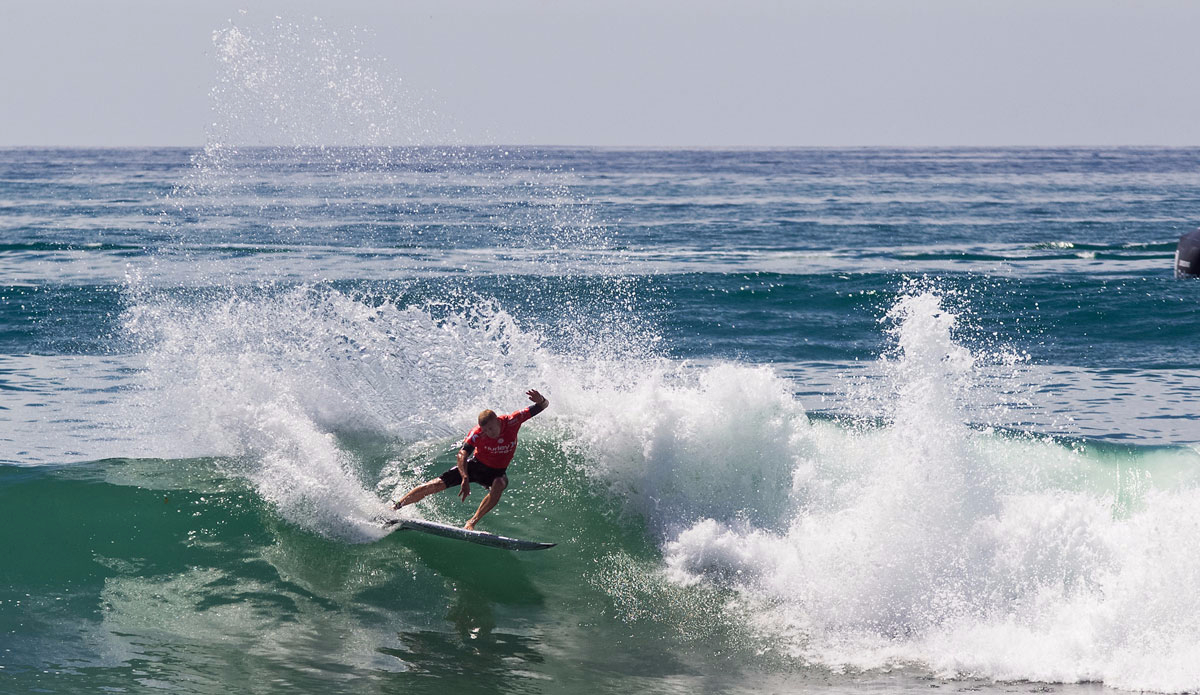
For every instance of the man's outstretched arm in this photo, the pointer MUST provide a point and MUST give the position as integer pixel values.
(539, 402)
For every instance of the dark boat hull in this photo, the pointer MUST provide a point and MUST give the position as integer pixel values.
(1187, 255)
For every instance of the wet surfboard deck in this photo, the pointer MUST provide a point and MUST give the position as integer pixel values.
(462, 534)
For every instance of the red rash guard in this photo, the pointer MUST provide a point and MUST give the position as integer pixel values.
(498, 452)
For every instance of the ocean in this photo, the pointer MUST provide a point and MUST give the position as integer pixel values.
(821, 420)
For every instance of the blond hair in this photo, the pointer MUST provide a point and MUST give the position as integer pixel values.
(485, 416)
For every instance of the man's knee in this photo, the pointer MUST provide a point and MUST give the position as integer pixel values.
(499, 484)
(435, 485)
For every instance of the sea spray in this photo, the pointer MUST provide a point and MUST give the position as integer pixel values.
(898, 497)
(929, 543)
(266, 368)
(677, 442)
(265, 378)
(305, 82)
(368, 163)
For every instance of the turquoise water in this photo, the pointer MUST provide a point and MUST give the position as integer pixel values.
(822, 420)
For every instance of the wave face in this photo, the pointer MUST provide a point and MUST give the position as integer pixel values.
(693, 499)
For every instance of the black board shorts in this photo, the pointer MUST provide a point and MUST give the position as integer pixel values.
(476, 473)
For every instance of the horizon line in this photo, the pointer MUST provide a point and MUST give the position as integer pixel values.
(601, 147)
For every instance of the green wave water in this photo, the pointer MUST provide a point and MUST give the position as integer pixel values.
(137, 574)
(135, 571)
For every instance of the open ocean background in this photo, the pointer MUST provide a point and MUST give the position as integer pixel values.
(822, 420)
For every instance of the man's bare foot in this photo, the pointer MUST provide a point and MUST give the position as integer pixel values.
(470, 526)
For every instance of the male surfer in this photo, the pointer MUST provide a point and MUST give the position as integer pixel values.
(493, 443)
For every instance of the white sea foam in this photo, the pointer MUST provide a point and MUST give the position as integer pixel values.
(265, 379)
(920, 541)
(926, 542)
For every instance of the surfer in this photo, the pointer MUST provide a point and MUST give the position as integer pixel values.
(483, 458)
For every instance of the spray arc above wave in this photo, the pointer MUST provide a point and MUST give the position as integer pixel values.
(267, 380)
(924, 541)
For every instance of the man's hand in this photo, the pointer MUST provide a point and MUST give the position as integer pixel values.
(536, 397)
(466, 490)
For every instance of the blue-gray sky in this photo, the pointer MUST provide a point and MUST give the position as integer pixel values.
(641, 73)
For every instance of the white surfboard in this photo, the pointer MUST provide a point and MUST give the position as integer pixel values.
(462, 534)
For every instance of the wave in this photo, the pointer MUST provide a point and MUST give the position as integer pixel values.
(1149, 246)
(902, 537)
(50, 246)
(181, 556)
(969, 554)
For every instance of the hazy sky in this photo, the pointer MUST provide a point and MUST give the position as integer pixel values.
(696, 72)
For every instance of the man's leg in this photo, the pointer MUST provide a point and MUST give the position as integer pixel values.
(489, 501)
(420, 492)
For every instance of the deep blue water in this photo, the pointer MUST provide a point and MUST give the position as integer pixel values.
(779, 257)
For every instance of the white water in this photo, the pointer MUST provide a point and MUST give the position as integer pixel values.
(921, 543)
(925, 542)
(267, 379)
